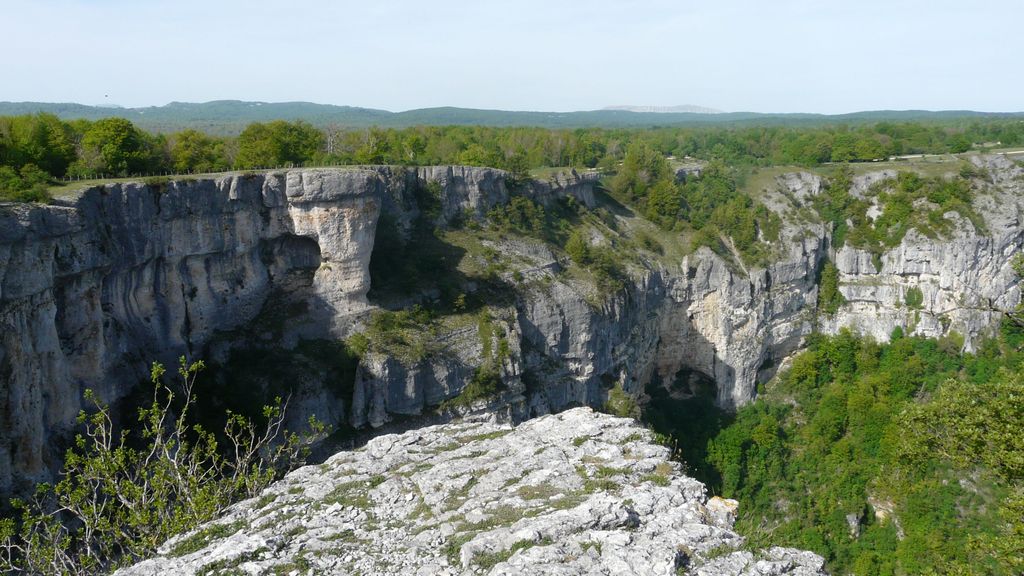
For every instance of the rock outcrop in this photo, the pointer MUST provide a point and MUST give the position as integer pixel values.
(965, 280)
(572, 493)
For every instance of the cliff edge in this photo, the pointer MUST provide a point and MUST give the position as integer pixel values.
(572, 493)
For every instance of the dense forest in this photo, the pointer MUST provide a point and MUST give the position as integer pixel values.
(897, 458)
(35, 149)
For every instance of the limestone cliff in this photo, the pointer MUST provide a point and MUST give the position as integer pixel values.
(572, 493)
(965, 280)
(94, 288)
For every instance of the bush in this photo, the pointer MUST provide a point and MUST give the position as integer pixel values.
(649, 243)
(829, 296)
(608, 270)
(620, 403)
(1017, 265)
(578, 248)
(914, 298)
(409, 335)
(30, 184)
(485, 383)
(520, 215)
(121, 495)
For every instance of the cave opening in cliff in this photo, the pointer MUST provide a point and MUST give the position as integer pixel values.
(684, 410)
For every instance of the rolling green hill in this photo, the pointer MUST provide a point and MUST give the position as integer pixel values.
(231, 116)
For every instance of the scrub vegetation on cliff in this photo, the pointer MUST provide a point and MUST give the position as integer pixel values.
(879, 217)
(121, 494)
(711, 206)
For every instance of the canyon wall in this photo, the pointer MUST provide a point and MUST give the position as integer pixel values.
(94, 288)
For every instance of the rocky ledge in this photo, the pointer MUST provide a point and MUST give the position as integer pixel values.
(573, 493)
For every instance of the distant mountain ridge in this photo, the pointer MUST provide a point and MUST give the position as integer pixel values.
(685, 108)
(231, 116)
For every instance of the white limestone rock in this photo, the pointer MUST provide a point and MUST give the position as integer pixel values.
(575, 493)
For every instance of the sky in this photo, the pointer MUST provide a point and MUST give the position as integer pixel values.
(553, 55)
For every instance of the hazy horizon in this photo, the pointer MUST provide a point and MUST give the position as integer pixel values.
(614, 107)
(790, 56)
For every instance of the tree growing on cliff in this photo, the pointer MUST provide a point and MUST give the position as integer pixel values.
(120, 495)
(30, 184)
(42, 140)
(642, 168)
(829, 296)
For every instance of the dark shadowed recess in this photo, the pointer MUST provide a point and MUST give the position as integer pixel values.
(684, 410)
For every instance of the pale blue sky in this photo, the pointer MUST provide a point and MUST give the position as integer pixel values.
(766, 56)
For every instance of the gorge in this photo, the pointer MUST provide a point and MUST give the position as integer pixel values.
(95, 286)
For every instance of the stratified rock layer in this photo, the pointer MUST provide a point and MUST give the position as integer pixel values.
(573, 493)
(965, 279)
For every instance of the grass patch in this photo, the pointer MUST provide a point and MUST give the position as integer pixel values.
(538, 492)
(348, 535)
(453, 547)
(422, 510)
(204, 537)
(464, 440)
(610, 471)
(354, 493)
(601, 482)
(459, 497)
(487, 561)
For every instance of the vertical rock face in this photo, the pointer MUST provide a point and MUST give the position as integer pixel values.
(92, 290)
(965, 281)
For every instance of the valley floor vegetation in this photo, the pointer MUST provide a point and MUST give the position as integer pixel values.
(897, 458)
(121, 494)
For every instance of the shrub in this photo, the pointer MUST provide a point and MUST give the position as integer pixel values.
(914, 298)
(650, 243)
(30, 184)
(520, 215)
(1017, 265)
(829, 296)
(485, 383)
(121, 495)
(578, 248)
(620, 403)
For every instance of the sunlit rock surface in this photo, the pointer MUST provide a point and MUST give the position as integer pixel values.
(574, 493)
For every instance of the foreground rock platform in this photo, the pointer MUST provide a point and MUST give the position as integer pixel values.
(572, 493)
